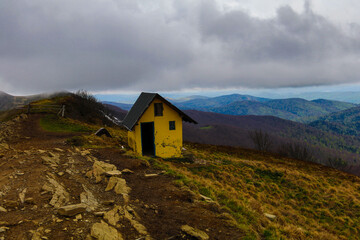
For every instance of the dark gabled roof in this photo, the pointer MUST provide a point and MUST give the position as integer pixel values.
(140, 106)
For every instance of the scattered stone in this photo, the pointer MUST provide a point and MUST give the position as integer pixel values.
(127, 171)
(29, 200)
(206, 199)
(193, 232)
(85, 152)
(3, 229)
(60, 195)
(141, 229)
(89, 199)
(103, 231)
(19, 173)
(4, 146)
(72, 210)
(99, 214)
(50, 161)
(151, 175)
(60, 173)
(113, 173)
(3, 223)
(270, 216)
(10, 204)
(108, 202)
(2, 209)
(78, 217)
(89, 174)
(99, 168)
(51, 154)
(59, 149)
(113, 216)
(119, 186)
(47, 231)
(22, 195)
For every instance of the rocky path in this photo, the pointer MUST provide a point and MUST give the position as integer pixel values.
(49, 190)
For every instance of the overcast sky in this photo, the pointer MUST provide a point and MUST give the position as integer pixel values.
(164, 45)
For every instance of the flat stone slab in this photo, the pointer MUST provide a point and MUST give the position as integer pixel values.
(72, 210)
(113, 173)
(270, 216)
(193, 232)
(127, 171)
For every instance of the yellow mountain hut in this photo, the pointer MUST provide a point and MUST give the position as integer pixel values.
(155, 126)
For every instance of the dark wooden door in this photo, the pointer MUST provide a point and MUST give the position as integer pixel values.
(147, 138)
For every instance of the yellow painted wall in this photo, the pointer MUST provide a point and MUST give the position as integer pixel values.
(168, 143)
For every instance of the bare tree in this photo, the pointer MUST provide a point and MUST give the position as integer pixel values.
(261, 140)
(336, 162)
(297, 151)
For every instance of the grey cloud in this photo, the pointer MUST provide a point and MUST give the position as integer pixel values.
(289, 36)
(168, 45)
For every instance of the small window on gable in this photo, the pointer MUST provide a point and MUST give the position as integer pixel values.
(158, 109)
(171, 125)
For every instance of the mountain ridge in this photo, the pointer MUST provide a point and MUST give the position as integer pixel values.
(295, 109)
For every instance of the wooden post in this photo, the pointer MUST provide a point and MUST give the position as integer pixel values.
(28, 109)
(63, 111)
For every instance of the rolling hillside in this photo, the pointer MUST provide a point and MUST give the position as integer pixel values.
(219, 192)
(232, 130)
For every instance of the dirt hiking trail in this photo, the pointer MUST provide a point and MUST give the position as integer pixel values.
(51, 190)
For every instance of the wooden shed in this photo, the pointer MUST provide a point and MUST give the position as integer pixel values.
(155, 126)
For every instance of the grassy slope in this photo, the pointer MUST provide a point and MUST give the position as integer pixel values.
(310, 201)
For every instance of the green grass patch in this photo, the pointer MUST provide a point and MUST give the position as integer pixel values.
(52, 123)
(270, 175)
(180, 160)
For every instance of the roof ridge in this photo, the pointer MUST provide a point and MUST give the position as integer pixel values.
(140, 106)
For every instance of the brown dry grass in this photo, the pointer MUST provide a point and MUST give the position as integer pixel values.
(309, 201)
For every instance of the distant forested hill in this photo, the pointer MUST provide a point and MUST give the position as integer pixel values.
(344, 122)
(295, 109)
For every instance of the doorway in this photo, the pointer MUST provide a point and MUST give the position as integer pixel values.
(147, 138)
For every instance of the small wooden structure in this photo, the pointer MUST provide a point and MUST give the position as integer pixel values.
(34, 108)
(155, 126)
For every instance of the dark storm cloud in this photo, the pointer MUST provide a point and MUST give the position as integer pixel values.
(145, 45)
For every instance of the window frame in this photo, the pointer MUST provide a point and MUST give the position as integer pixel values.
(172, 124)
(158, 109)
